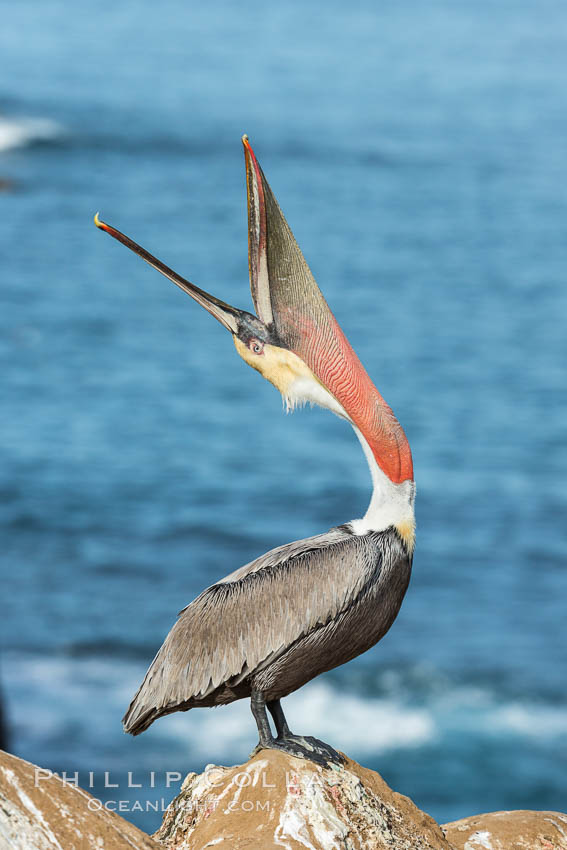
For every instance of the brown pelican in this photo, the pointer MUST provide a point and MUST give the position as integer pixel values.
(309, 606)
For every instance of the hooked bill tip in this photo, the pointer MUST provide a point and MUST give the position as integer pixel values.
(248, 147)
(100, 224)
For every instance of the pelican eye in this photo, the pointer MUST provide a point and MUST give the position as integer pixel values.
(256, 346)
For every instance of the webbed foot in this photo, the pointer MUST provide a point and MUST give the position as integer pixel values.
(294, 745)
(304, 748)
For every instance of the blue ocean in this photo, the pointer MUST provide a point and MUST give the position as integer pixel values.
(419, 152)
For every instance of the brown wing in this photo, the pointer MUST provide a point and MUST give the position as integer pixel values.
(238, 624)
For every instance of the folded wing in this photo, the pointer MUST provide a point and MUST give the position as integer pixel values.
(245, 620)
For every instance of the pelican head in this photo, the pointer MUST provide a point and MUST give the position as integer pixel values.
(294, 341)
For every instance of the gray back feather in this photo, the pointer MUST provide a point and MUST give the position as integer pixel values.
(242, 622)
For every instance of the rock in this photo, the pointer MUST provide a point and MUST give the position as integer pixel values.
(509, 831)
(275, 800)
(40, 813)
(272, 801)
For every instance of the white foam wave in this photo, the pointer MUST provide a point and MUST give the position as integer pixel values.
(19, 132)
(531, 721)
(352, 723)
(91, 695)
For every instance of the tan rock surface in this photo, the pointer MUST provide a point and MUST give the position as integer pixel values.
(272, 801)
(509, 831)
(47, 814)
(276, 801)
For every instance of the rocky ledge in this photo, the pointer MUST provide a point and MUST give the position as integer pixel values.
(272, 801)
(53, 815)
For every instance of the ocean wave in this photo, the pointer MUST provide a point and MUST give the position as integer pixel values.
(21, 132)
(353, 724)
(531, 721)
(67, 688)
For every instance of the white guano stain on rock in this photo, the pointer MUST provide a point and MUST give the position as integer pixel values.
(48, 813)
(294, 804)
(557, 826)
(48, 837)
(301, 807)
(248, 778)
(478, 840)
(308, 813)
(509, 830)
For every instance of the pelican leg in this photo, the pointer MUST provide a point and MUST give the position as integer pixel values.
(258, 706)
(294, 745)
(275, 709)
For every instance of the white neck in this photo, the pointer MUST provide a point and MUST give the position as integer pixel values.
(390, 504)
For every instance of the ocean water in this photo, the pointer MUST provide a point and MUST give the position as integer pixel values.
(419, 154)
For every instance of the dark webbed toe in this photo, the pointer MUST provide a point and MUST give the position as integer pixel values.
(316, 750)
(304, 748)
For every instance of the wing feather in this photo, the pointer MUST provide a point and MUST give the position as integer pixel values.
(243, 621)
